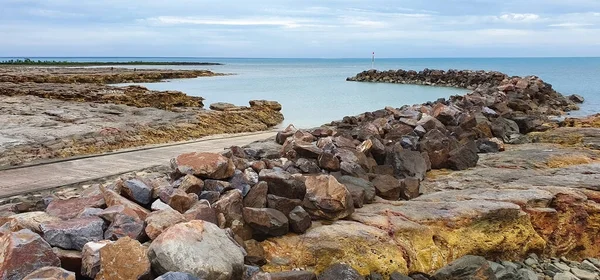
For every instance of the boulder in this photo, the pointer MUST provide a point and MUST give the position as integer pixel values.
(137, 191)
(329, 162)
(299, 220)
(223, 106)
(215, 185)
(125, 225)
(285, 134)
(410, 188)
(326, 198)
(467, 267)
(90, 212)
(177, 276)
(485, 146)
(159, 205)
(73, 234)
(438, 147)
(204, 165)
(50, 273)
(159, 221)
(576, 98)
(29, 220)
(282, 204)
(464, 157)
(123, 260)
(90, 258)
(69, 259)
(257, 196)
(273, 105)
(308, 166)
(358, 196)
(190, 184)
(266, 221)
(282, 183)
(24, 252)
(114, 199)
(340, 271)
(255, 254)
(293, 275)
(305, 149)
(354, 184)
(201, 211)
(387, 187)
(407, 164)
(504, 128)
(239, 182)
(211, 197)
(198, 248)
(230, 207)
(71, 208)
(179, 199)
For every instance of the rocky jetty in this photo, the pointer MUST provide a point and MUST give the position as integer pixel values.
(63, 112)
(443, 190)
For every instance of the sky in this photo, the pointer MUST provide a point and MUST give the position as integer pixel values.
(297, 28)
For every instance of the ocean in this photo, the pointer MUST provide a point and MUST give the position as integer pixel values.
(314, 91)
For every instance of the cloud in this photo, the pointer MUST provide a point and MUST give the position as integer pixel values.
(173, 20)
(513, 17)
(571, 24)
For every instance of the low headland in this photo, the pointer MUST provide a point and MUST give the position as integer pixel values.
(33, 62)
(489, 185)
(63, 112)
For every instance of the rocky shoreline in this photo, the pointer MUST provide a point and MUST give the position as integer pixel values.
(399, 193)
(63, 112)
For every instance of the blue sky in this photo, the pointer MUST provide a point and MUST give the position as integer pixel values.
(295, 28)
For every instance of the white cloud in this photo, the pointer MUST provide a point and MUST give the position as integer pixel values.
(570, 24)
(513, 17)
(173, 20)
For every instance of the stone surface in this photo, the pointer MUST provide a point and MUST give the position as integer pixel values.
(340, 271)
(70, 208)
(282, 183)
(29, 220)
(299, 220)
(190, 184)
(198, 248)
(326, 198)
(467, 267)
(177, 276)
(50, 273)
(90, 258)
(282, 204)
(125, 225)
(257, 196)
(24, 252)
(114, 199)
(407, 164)
(293, 275)
(266, 221)
(159, 221)
(355, 183)
(123, 260)
(387, 187)
(201, 211)
(137, 191)
(204, 165)
(73, 234)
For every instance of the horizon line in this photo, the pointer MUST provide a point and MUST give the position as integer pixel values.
(324, 58)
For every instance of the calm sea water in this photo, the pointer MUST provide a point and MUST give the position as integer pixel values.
(314, 91)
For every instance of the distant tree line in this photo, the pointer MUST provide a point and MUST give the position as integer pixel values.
(28, 61)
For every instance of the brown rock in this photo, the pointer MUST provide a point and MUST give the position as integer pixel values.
(257, 196)
(179, 200)
(50, 273)
(258, 165)
(255, 254)
(230, 205)
(69, 259)
(204, 165)
(70, 208)
(306, 149)
(201, 211)
(358, 195)
(190, 184)
(410, 188)
(299, 220)
(282, 183)
(159, 221)
(112, 199)
(125, 226)
(266, 221)
(125, 259)
(326, 198)
(293, 275)
(329, 162)
(90, 258)
(23, 252)
(438, 147)
(112, 212)
(29, 220)
(388, 187)
(282, 204)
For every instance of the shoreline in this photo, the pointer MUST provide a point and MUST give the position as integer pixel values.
(64, 112)
(29, 62)
(395, 191)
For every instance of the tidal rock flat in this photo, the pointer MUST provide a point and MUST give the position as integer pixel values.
(452, 189)
(63, 112)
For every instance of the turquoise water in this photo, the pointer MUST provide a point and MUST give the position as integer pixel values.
(314, 91)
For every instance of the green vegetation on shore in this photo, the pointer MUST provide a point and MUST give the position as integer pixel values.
(27, 61)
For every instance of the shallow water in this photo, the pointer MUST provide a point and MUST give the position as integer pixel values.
(314, 91)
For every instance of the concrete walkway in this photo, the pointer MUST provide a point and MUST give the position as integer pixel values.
(57, 174)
